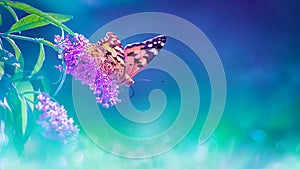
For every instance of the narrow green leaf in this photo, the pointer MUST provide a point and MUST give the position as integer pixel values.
(0, 20)
(40, 60)
(26, 87)
(15, 106)
(1, 69)
(30, 122)
(31, 10)
(12, 12)
(4, 139)
(17, 50)
(4, 86)
(34, 21)
(24, 115)
(1, 47)
(2, 112)
(21, 114)
(22, 87)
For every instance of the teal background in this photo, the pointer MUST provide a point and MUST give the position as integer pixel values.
(258, 44)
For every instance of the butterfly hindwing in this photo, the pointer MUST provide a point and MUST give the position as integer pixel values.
(138, 55)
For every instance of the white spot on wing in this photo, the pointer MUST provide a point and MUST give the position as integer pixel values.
(120, 59)
(154, 51)
(118, 48)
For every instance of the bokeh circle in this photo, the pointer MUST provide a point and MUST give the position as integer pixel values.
(104, 135)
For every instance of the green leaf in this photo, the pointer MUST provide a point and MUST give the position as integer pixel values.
(27, 114)
(40, 60)
(4, 139)
(2, 112)
(25, 86)
(34, 21)
(12, 12)
(18, 53)
(24, 114)
(16, 112)
(1, 69)
(21, 114)
(30, 122)
(0, 20)
(5, 85)
(31, 10)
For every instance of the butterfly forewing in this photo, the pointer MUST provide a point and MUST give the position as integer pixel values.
(121, 65)
(112, 44)
(138, 55)
(113, 63)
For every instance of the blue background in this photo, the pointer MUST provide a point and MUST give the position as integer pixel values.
(258, 44)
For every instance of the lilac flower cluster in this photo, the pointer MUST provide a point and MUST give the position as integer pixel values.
(105, 90)
(55, 120)
(71, 49)
(88, 73)
(84, 68)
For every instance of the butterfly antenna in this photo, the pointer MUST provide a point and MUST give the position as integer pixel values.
(148, 80)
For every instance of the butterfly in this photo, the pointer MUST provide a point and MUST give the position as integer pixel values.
(122, 64)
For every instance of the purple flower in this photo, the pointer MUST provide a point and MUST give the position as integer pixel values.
(86, 69)
(105, 90)
(55, 120)
(88, 73)
(70, 49)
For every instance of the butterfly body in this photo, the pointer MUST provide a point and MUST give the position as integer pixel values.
(122, 64)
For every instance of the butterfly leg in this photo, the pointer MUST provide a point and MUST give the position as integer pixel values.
(133, 93)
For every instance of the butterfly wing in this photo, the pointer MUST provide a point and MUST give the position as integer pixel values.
(123, 64)
(113, 46)
(138, 55)
(109, 56)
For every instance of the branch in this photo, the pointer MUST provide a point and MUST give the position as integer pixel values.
(35, 40)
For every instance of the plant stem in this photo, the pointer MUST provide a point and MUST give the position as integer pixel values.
(35, 40)
(63, 78)
(12, 12)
